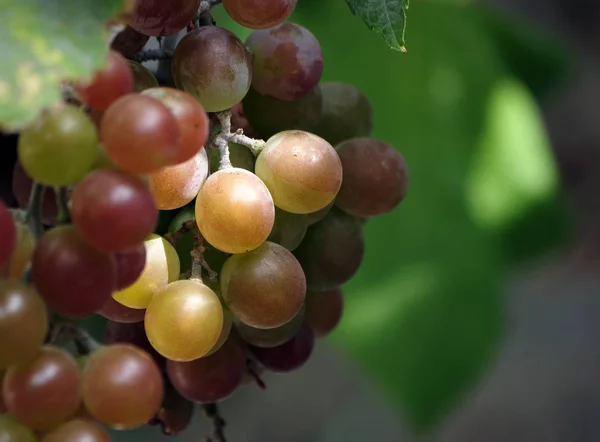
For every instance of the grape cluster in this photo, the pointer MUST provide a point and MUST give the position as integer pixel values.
(213, 256)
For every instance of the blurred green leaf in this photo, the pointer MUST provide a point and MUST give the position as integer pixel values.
(43, 43)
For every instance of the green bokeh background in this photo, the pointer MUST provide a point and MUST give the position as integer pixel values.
(425, 313)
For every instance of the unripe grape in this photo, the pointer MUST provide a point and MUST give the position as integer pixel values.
(214, 66)
(234, 210)
(302, 171)
(240, 156)
(142, 77)
(129, 42)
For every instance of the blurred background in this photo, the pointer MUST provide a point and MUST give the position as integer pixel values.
(474, 317)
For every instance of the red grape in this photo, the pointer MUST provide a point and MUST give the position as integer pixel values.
(212, 378)
(324, 311)
(77, 430)
(44, 392)
(122, 386)
(23, 323)
(213, 66)
(159, 17)
(288, 61)
(375, 177)
(8, 234)
(191, 119)
(272, 337)
(117, 312)
(21, 187)
(259, 14)
(289, 356)
(130, 265)
(73, 277)
(140, 134)
(113, 211)
(134, 334)
(108, 84)
(129, 42)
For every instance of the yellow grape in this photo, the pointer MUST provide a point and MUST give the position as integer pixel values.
(234, 210)
(162, 267)
(302, 171)
(184, 320)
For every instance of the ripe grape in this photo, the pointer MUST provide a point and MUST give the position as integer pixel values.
(288, 61)
(133, 334)
(119, 313)
(157, 18)
(269, 116)
(191, 118)
(73, 277)
(273, 337)
(317, 216)
(140, 134)
(161, 268)
(240, 156)
(143, 78)
(184, 320)
(23, 323)
(289, 229)
(19, 260)
(175, 186)
(13, 431)
(112, 210)
(130, 265)
(59, 147)
(347, 113)
(234, 210)
(264, 288)
(21, 187)
(176, 412)
(77, 430)
(108, 84)
(375, 177)
(45, 391)
(288, 356)
(302, 171)
(331, 251)
(212, 378)
(259, 14)
(324, 311)
(8, 234)
(214, 66)
(122, 386)
(227, 323)
(129, 42)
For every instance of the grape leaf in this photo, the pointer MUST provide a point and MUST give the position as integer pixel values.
(386, 17)
(43, 43)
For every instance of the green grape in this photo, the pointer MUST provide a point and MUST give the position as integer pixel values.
(272, 337)
(59, 147)
(289, 229)
(347, 113)
(234, 210)
(302, 171)
(142, 77)
(269, 116)
(264, 288)
(184, 320)
(162, 267)
(13, 431)
(240, 156)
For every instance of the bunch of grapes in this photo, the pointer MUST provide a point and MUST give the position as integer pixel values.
(213, 256)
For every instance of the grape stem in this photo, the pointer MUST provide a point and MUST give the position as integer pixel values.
(212, 412)
(198, 261)
(222, 139)
(154, 54)
(33, 216)
(62, 202)
(63, 332)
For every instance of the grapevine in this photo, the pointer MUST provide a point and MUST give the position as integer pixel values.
(211, 222)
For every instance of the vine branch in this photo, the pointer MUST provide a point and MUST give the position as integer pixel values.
(154, 54)
(224, 136)
(212, 412)
(61, 333)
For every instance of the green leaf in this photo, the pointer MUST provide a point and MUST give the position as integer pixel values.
(385, 17)
(43, 43)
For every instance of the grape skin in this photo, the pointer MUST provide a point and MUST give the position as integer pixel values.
(77, 430)
(8, 234)
(119, 313)
(332, 251)
(289, 356)
(23, 323)
(234, 210)
(264, 288)
(21, 188)
(324, 311)
(13, 431)
(273, 337)
(289, 229)
(113, 211)
(45, 391)
(143, 78)
(157, 17)
(288, 61)
(184, 320)
(14, 269)
(259, 14)
(133, 334)
(122, 386)
(175, 186)
(162, 266)
(317, 216)
(214, 66)
(59, 147)
(130, 265)
(302, 171)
